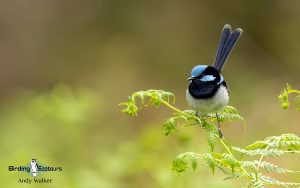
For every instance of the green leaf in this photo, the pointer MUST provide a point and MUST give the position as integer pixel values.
(211, 162)
(183, 161)
(212, 134)
(189, 120)
(179, 165)
(284, 97)
(130, 108)
(257, 145)
(284, 142)
(155, 98)
(258, 184)
(269, 167)
(226, 160)
(229, 113)
(265, 152)
(190, 159)
(272, 181)
(169, 126)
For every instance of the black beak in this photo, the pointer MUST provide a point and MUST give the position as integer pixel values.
(190, 78)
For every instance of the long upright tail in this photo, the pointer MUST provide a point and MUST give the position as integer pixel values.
(227, 42)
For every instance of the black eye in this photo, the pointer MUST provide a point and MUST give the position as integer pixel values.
(213, 72)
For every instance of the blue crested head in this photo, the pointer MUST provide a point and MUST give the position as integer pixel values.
(206, 73)
(198, 70)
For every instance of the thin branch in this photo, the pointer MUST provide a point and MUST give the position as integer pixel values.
(261, 158)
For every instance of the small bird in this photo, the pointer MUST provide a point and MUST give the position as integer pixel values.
(207, 91)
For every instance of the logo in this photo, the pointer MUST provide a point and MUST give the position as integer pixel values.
(34, 169)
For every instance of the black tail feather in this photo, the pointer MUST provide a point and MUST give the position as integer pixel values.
(227, 42)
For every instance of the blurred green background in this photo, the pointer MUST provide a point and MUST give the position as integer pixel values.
(66, 65)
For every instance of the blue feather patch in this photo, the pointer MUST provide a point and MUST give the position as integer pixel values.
(207, 78)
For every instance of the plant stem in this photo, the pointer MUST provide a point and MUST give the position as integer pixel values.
(230, 153)
(174, 108)
(260, 160)
(294, 91)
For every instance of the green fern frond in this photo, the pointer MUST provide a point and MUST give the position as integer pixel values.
(179, 165)
(229, 113)
(185, 160)
(258, 184)
(188, 118)
(130, 107)
(261, 181)
(284, 97)
(213, 160)
(285, 142)
(154, 97)
(255, 181)
(226, 160)
(272, 181)
(269, 167)
(191, 118)
(190, 159)
(257, 145)
(169, 126)
(212, 134)
(265, 152)
(249, 164)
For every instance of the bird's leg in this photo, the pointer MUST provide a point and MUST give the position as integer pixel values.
(219, 127)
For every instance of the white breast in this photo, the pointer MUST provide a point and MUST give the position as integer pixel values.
(213, 104)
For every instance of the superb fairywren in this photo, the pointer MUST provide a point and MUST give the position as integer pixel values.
(207, 91)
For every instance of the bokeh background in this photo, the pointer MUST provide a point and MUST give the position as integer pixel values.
(66, 65)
